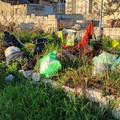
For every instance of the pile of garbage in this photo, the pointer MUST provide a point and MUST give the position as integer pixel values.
(51, 63)
(104, 62)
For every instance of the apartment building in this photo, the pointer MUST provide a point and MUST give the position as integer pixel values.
(78, 6)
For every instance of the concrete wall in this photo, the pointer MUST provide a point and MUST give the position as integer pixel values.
(112, 32)
(8, 11)
(45, 23)
(5, 8)
(35, 9)
(66, 24)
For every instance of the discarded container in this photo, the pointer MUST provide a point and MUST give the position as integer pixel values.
(10, 77)
(67, 55)
(68, 36)
(49, 64)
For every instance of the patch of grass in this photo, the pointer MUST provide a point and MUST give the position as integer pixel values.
(26, 36)
(1, 35)
(28, 101)
(21, 99)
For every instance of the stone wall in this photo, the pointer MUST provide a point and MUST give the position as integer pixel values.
(66, 24)
(27, 16)
(112, 32)
(45, 23)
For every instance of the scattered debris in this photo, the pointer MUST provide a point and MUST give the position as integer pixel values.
(31, 74)
(13, 53)
(9, 77)
(36, 77)
(27, 74)
(103, 62)
(49, 64)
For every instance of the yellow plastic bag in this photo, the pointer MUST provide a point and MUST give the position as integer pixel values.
(116, 44)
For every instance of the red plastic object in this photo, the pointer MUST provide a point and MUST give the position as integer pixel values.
(85, 40)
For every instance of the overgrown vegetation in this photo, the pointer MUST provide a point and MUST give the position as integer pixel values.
(21, 99)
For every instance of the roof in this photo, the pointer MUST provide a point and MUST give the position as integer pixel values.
(17, 1)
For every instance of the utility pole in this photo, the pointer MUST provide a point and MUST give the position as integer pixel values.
(59, 7)
(100, 20)
(40, 2)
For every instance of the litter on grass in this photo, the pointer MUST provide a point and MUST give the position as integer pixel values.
(49, 64)
(103, 62)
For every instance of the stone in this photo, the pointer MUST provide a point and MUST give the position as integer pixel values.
(92, 94)
(27, 74)
(116, 110)
(36, 77)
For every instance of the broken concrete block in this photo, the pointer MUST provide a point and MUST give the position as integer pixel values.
(116, 110)
(36, 77)
(27, 74)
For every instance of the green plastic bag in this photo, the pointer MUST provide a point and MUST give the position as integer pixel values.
(116, 63)
(103, 62)
(49, 65)
(105, 58)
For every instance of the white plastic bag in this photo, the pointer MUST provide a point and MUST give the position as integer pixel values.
(10, 50)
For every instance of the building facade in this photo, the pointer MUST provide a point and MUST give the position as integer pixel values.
(78, 6)
(91, 9)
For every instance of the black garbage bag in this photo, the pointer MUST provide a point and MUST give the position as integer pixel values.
(11, 39)
(39, 48)
(15, 41)
(7, 38)
(40, 44)
(42, 40)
